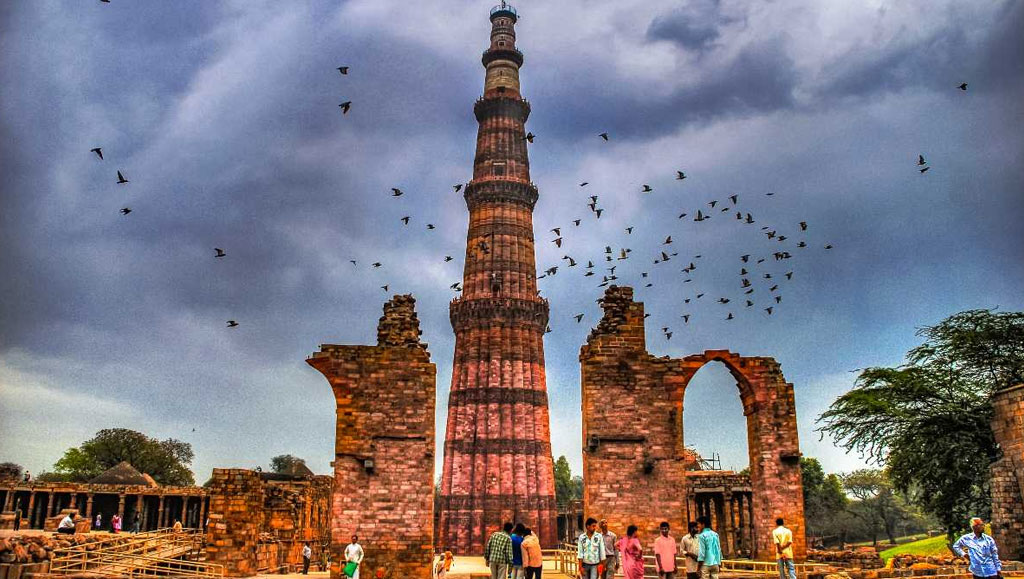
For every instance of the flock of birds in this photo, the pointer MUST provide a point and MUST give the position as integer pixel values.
(781, 244)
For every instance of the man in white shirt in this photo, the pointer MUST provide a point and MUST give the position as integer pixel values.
(67, 525)
(783, 540)
(306, 554)
(354, 554)
(689, 546)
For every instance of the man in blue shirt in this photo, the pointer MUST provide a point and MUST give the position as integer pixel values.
(980, 551)
(709, 552)
(518, 534)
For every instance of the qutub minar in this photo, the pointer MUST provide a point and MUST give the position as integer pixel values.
(497, 452)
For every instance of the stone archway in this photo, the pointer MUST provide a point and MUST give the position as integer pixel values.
(635, 468)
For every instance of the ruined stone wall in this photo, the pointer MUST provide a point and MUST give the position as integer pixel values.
(296, 509)
(1008, 473)
(236, 515)
(384, 446)
(634, 463)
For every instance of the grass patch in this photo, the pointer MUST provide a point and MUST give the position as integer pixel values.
(925, 547)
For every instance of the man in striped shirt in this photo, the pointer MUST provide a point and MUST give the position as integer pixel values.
(590, 550)
(498, 552)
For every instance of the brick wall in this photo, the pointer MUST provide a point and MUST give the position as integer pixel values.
(236, 514)
(635, 463)
(384, 446)
(1008, 473)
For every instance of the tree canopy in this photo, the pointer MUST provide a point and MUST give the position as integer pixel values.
(167, 461)
(929, 421)
(567, 487)
(286, 463)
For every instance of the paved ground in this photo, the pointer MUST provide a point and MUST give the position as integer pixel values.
(465, 568)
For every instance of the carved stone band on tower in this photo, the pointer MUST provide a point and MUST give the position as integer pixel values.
(497, 453)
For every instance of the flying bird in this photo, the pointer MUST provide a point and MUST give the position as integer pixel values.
(729, 317)
(557, 241)
(447, 258)
(430, 226)
(733, 198)
(396, 192)
(712, 203)
(921, 161)
(457, 187)
(377, 264)
(646, 189)
(232, 324)
(556, 230)
(963, 86)
(345, 106)
(384, 287)
(686, 318)
(529, 137)
(769, 310)
(680, 175)
(120, 179)
(668, 240)
(803, 226)
(125, 210)
(405, 220)
(598, 212)
(604, 136)
(98, 151)
(576, 222)
(629, 231)
(343, 69)
(584, 184)
(593, 199)
(220, 252)
(925, 169)
(578, 317)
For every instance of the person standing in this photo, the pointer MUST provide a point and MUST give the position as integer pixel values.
(115, 523)
(518, 534)
(306, 554)
(17, 514)
(783, 539)
(136, 522)
(980, 551)
(498, 552)
(611, 560)
(632, 554)
(665, 553)
(354, 554)
(690, 547)
(590, 550)
(709, 552)
(99, 522)
(533, 559)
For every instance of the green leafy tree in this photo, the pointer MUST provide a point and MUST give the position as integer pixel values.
(567, 488)
(285, 463)
(10, 470)
(167, 461)
(929, 420)
(824, 499)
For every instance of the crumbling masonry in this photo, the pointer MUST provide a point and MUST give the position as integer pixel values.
(384, 446)
(635, 465)
(1008, 472)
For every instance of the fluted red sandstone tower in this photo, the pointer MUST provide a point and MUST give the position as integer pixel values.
(497, 452)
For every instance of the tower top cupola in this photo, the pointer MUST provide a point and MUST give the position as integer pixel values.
(504, 10)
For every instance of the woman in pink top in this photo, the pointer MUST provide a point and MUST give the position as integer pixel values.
(632, 554)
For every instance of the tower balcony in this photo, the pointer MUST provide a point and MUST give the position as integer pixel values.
(487, 107)
(504, 9)
(492, 54)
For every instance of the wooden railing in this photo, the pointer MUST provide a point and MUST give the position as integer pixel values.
(160, 552)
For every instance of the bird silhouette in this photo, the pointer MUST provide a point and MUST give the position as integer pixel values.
(713, 203)
(593, 199)
(789, 275)
(405, 220)
(962, 86)
(120, 179)
(629, 231)
(576, 222)
(98, 151)
(447, 258)
(686, 318)
(396, 192)
(803, 226)
(598, 212)
(455, 286)
(232, 324)
(529, 137)
(578, 317)
(584, 184)
(343, 69)
(733, 198)
(729, 317)
(921, 161)
(604, 136)
(125, 210)
(384, 287)
(680, 175)
(769, 310)
(829, 246)
(220, 252)
(345, 106)
(457, 187)
(556, 230)
(924, 170)
(700, 216)
(557, 242)
(430, 226)
(646, 189)
(668, 240)
(376, 264)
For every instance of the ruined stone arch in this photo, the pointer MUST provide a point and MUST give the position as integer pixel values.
(635, 466)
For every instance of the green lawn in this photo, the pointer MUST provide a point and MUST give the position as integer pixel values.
(925, 547)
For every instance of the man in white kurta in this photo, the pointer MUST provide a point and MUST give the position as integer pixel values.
(354, 554)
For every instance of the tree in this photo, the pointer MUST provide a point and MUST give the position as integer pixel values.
(285, 463)
(167, 461)
(929, 420)
(11, 470)
(824, 498)
(567, 488)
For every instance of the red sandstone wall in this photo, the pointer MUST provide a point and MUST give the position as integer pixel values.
(236, 504)
(1008, 473)
(634, 462)
(385, 396)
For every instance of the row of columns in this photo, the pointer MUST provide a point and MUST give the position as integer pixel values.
(730, 514)
(52, 507)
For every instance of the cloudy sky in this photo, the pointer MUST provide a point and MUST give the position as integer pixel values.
(223, 116)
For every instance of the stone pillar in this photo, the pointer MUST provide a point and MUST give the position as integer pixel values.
(49, 504)
(1008, 472)
(120, 508)
(29, 512)
(384, 446)
(139, 511)
(160, 514)
(728, 526)
(202, 513)
(88, 507)
(9, 500)
(236, 513)
(184, 511)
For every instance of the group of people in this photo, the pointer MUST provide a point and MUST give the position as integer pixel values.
(514, 551)
(601, 553)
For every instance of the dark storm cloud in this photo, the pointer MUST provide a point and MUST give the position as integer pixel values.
(695, 26)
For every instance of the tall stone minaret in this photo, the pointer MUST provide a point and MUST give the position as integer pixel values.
(497, 452)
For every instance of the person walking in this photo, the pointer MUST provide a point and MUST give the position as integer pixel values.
(611, 560)
(709, 552)
(980, 551)
(307, 553)
(533, 559)
(783, 539)
(590, 550)
(498, 552)
(354, 554)
(444, 564)
(665, 553)
(518, 534)
(632, 554)
(690, 546)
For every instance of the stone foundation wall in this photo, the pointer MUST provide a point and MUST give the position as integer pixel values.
(236, 513)
(1008, 473)
(384, 446)
(634, 463)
